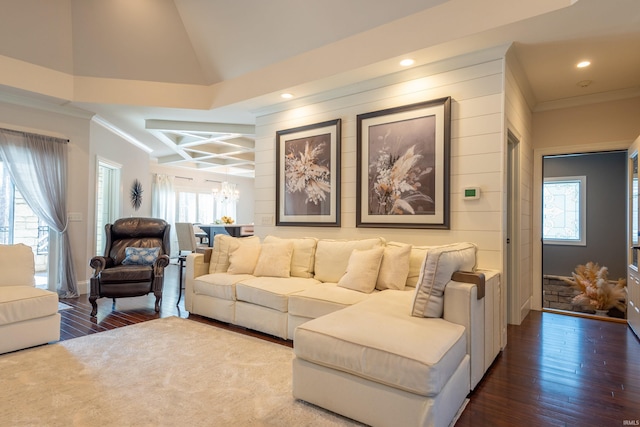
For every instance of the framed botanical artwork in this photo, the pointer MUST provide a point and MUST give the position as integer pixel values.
(308, 175)
(403, 166)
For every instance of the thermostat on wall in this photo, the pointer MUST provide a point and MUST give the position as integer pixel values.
(472, 193)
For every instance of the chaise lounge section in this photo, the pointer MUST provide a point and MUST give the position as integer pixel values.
(382, 332)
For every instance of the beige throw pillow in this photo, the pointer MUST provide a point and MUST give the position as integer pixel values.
(275, 259)
(362, 270)
(441, 262)
(302, 259)
(394, 268)
(332, 256)
(222, 246)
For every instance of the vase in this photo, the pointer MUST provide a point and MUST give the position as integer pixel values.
(603, 313)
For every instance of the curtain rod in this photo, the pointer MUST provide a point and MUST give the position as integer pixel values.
(191, 179)
(34, 134)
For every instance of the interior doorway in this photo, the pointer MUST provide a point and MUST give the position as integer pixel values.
(583, 221)
(512, 266)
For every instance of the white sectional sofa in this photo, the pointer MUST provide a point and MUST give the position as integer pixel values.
(382, 332)
(28, 315)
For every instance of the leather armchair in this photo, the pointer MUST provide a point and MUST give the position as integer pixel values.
(112, 278)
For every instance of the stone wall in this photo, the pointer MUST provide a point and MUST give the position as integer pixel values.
(558, 295)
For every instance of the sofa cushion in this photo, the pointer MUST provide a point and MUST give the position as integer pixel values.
(243, 258)
(274, 259)
(17, 265)
(272, 292)
(323, 298)
(394, 268)
(20, 303)
(222, 245)
(332, 256)
(378, 340)
(302, 258)
(441, 262)
(362, 270)
(219, 285)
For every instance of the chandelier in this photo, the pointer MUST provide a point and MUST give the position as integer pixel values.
(226, 193)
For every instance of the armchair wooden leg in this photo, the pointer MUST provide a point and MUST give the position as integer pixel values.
(158, 299)
(94, 304)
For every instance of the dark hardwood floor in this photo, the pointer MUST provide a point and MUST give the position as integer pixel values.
(128, 311)
(556, 370)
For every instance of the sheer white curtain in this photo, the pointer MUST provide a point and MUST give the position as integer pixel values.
(38, 167)
(163, 204)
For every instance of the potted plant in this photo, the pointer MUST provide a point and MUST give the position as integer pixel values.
(596, 290)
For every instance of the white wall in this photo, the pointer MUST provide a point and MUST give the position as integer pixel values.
(475, 85)
(134, 164)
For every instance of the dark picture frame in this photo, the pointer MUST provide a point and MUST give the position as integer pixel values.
(308, 175)
(403, 161)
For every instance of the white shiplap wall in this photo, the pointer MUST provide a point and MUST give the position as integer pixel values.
(477, 128)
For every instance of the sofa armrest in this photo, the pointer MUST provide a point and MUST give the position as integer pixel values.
(477, 279)
(197, 265)
(463, 307)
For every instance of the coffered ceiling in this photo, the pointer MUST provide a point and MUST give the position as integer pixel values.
(186, 78)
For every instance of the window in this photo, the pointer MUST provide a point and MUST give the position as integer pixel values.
(564, 210)
(107, 194)
(196, 207)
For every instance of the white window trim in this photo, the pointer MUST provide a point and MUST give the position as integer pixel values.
(583, 212)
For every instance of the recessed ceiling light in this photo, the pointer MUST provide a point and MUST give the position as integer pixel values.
(286, 95)
(583, 64)
(407, 62)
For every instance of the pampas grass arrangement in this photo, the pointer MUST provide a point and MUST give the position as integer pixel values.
(595, 288)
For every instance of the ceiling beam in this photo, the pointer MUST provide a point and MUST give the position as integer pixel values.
(180, 126)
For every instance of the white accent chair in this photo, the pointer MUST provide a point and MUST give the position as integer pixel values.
(28, 315)
(187, 239)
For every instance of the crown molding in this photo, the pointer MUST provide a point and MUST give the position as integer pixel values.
(578, 101)
(45, 105)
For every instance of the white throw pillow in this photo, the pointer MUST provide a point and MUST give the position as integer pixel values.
(441, 262)
(416, 258)
(222, 246)
(332, 256)
(243, 259)
(275, 259)
(302, 259)
(394, 268)
(362, 270)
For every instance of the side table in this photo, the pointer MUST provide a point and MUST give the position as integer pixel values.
(181, 260)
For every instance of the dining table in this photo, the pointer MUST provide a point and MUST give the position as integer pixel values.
(232, 230)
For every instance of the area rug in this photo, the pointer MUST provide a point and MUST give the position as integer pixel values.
(62, 306)
(165, 372)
